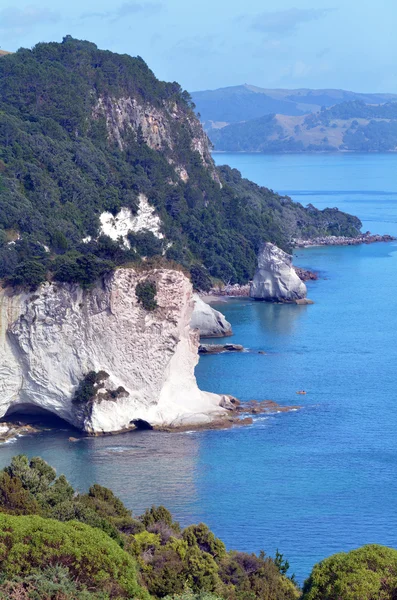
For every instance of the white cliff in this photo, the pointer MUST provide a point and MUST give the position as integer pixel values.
(209, 322)
(51, 339)
(275, 279)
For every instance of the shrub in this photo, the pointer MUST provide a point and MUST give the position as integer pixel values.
(29, 274)
(31, 543)
(368, 573)
(52, 583)
(88, 387)
(146, 293)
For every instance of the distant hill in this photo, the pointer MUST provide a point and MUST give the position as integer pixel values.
(245, 102)
(4, 52)
(348, 127)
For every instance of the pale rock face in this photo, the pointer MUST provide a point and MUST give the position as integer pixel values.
(124, 222)
(51, 339)
(209, 322)
(125, 114)
(275, 279)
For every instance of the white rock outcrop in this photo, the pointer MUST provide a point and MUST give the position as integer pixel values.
(209, 322)
(51, 339)
(125, 222)
(275, 279)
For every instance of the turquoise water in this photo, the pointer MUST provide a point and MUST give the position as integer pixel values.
(311, 482)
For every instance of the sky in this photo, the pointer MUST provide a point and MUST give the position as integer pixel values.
(348, 44)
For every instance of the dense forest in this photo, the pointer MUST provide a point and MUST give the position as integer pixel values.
(60, 544)
(348, 127)
(67, 156)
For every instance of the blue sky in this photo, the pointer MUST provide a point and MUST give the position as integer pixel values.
(348, 44)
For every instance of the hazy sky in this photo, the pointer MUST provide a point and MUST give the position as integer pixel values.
(349, 44)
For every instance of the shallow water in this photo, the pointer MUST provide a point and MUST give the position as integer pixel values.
(311, 482)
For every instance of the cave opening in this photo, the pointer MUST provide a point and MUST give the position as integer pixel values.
(141, 424)
(30, 414)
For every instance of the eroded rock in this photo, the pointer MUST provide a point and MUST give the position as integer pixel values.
(275, 279)
(52, 339)
(209, 322)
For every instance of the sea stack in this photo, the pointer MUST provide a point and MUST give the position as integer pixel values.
(275, 279)
(210, 322)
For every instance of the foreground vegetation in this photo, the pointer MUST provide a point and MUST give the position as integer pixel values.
(61, 167)
(57, 544)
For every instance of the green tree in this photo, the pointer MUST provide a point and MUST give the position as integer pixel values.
(368, 573)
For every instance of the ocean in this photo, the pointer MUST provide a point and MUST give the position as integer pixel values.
(311, 482)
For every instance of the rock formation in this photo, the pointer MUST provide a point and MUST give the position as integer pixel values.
(275, 279)
(209, 322)
(144, 361)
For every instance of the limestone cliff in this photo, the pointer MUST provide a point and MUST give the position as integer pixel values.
(157, 126)
(275, 279)
(50, 340)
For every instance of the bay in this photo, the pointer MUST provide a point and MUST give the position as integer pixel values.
(311, 482)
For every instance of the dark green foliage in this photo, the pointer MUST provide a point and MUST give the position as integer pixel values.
(201, 281)
(88, 388)
(28, 274)
(60, 169)
(368, 573)
(146, 293)
(84, 270)
(145, 243)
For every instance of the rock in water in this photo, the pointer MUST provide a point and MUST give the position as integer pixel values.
(275, 279)
(209, 322)
(141, 363)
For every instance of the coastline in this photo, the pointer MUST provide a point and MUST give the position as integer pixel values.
(333, 240)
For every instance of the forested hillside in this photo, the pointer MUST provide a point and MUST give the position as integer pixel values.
(348, 127)
(85, 132)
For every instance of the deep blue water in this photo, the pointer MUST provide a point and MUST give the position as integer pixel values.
(311, 482)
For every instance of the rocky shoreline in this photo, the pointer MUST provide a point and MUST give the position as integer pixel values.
(333, 240)
(9, 431)
(238, 416)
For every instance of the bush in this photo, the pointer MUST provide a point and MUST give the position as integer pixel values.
(29, 274)
(31, 543)
(52, 583)
(146, 293)
(368, 573)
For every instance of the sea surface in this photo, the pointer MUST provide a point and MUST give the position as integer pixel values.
(310, 482)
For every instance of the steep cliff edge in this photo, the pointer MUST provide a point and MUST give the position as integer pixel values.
(51, 340)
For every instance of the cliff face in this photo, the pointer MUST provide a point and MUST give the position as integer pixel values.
(50, 340)
(157, 126)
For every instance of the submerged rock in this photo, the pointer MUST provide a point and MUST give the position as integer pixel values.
(209, 322)
(219, 348)
(275, 279)
(98, 359)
